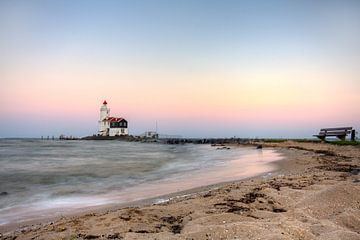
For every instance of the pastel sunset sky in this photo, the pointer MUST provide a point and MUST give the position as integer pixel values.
(199, 68)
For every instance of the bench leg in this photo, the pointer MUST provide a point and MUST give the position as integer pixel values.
(322, 138)
(353, 135)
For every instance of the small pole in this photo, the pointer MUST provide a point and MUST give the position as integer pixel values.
(353, 135)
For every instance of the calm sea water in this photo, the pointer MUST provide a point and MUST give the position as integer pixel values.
(40, 178)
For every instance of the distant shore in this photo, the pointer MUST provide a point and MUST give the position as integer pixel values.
(315, 194)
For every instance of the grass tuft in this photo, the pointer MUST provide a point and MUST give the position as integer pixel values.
(344, 143)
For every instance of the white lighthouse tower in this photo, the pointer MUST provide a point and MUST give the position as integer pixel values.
(103, 123)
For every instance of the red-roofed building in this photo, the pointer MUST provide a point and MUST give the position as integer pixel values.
(111, 126)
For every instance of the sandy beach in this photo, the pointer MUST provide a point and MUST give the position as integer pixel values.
(315, 194)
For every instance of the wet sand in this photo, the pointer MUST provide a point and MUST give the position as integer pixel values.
(315, 194)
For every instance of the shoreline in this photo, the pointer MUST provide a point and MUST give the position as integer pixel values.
(156, 199)
(251, 202)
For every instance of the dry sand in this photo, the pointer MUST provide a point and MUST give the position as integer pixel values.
(314, 195)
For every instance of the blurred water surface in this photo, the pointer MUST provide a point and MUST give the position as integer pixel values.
(37, 175)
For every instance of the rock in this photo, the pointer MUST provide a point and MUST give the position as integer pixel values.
(259, 147)
(3, 193)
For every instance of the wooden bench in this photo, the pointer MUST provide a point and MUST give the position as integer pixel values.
(340, 133)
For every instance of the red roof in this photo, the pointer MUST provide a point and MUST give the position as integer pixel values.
(104, 102)
(114, 119)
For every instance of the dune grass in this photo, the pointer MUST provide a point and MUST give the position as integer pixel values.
(344, 143)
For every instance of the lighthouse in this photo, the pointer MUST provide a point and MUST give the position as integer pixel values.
(103, 124)
(111, 126)
(104, 111)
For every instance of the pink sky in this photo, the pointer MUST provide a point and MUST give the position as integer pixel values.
(208, 101)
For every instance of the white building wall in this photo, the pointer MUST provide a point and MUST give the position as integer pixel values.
(103, 126)
(118, 132)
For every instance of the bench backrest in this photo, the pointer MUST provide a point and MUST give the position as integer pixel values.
(336, 129)
(341, 131)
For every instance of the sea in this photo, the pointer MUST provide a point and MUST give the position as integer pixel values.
(47, 178)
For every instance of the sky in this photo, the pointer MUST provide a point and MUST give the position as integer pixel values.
(198, 68)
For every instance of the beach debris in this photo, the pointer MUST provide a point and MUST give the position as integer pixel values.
(169, 219)
(250, 201)
(217, 145)
(12, 237)
(278, 210)
(237, 209)
(114, 236)
(125, 217)
(142, 231)
(341, 167)
(176, 229)
(60, 229)
(223, 148)
(208, 194)
(251, 197)
(141, 227)
(161, 201)
(175, 223)
(355, 171)
(88, 236)
(232, 206)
